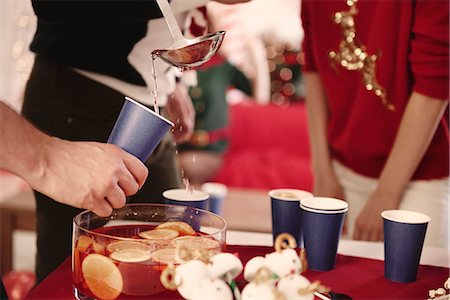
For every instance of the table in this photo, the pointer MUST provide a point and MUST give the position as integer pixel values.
(359, 277)
(16, 213)
(433, 256)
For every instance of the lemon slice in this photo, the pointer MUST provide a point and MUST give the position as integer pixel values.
(159, 234)
(164, 256)
(128, 251)
(200, 242)
(102, 276)
(181, 239)
(180, 226)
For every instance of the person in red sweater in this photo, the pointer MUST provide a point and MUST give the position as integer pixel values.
(377, 80)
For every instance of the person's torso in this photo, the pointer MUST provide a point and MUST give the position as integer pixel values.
(94, 36)
(361, 128)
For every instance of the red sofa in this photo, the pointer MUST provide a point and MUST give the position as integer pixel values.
(269, 147)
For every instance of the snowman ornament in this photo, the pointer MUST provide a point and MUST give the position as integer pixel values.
(202, 276)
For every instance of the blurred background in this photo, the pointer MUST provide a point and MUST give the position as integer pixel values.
(253, 86)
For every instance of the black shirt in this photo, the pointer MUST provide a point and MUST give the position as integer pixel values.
(95, 36)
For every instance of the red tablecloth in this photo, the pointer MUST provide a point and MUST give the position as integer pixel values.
(360, 278)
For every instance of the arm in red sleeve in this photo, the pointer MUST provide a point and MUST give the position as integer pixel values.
(310, 64)
(430, 48)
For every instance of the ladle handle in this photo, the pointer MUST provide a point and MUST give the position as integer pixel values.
(170, 20)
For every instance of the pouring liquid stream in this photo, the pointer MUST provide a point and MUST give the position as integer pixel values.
(155, 85)
(186, 182)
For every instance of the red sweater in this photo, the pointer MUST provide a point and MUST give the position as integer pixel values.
(411, 39)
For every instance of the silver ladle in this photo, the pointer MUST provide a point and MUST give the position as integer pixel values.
(186, 53)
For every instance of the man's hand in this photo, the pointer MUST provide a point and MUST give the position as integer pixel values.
(181, 112)
(89, 175)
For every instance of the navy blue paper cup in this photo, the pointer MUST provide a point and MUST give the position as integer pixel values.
(404, 234)
(138, 129)
(217, 193)
(195, 198)
(322, 222)
(286, 213)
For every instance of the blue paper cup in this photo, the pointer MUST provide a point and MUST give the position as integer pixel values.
(322, 221)
(138, 130)
(217, 193)
(286, 213)
(195, 198)
(404, 233)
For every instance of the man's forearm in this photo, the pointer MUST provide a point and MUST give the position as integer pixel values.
(19, 142)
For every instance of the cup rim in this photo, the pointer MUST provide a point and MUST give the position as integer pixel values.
(300, 194)
(405, 216)
(181, 195)
(321, 211)
(324, 204)
(149, 110)
(215, 188)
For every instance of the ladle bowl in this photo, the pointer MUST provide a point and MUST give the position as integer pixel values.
(186, 53)
(198, 51)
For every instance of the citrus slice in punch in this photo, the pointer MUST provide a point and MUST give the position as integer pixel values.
(164, 256)
(84, 242)
(200, 242)
(159, 234)
(181, 239)
(180, 226)
(102, 276)
(128, 251)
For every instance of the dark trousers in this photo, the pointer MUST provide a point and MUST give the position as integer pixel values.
(63, 103)
(3, 294)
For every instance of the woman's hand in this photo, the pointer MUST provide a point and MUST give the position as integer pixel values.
(329, 186)
(369, 223)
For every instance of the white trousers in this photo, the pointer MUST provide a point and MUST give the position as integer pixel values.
(430, 197)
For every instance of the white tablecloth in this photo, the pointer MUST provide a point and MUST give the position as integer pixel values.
(433, 256)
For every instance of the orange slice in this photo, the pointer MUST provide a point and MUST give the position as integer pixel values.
(181, 239)
(180, 226)
(102, 276)
(77, 277)
(164, 256)
(201, 242)
(159, 234)
(84, 242)
(128, 251)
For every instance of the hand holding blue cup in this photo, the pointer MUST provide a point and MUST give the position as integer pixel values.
(323, 219)
(138, 130)
(286, 213)
(404, 234)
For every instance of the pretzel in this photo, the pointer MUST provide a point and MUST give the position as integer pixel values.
(285, 241)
